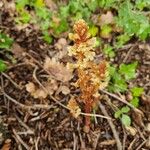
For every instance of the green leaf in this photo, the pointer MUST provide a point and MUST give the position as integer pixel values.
(106, 30)
(118, 114)
(125, 109)
(5, 41)
(39, 3)
(3, 66)
(134, 22)
(47, 38)
(118, 83)
(135, 102)
(92, 4)
(128, 70)
(121, 40)
(141, 4)
(137, 91)
(64, 11)
(21, 4)
(126, 120)
(108, 50)
(62, 27)
(93, 30)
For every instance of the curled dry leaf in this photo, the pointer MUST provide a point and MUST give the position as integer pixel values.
(74, 108)
(64, 89)
(107, 18)
(132, 131)
(138, 117)
(34, 91)
(17, 50)
(57, 70)
(61, 44)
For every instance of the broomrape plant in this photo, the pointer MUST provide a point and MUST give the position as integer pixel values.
(92, 76)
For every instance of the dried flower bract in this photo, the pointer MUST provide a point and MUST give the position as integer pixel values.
(91, 76)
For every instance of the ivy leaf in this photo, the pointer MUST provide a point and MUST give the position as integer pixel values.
(128, 70)
(137, 91)
(3, 66)
(126, 120)
(5, 41)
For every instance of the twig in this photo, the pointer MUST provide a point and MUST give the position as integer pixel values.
(139, 147)
(29, 131)
(13, 82)
(20, 140)
(36, 106)
(36, 143)
(96, 115)
(119, 145)
(120, 99)
(127, 55)
(131, 144)
(80, 137)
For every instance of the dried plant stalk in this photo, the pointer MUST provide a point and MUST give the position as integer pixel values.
(91, 76)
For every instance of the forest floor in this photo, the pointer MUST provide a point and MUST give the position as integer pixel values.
(32, 123)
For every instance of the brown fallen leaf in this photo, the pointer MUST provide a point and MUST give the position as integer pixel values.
(57, 70)
(107, 18)
(17, 50)
(61, 44)
(51, 85)
(132, 131)
(138, 117)
(64, 89)
(7, 145)
(36, 92)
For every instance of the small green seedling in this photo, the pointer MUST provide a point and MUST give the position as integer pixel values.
(5, 41)
(3, 66)
(122, 113)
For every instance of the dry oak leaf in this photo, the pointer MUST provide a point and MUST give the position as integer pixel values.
(57, 70)
(36, 92)
(107, 18)
(74, 108)
(17, 50)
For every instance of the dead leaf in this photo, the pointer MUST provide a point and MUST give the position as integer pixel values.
(50, 4)
(61, 43)
(132, 131)
(51, 86)
(17, 50)
(64, 89)
(107, 18)
(7, 145)
(138, 117)
(35, 91)
(57, 70)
